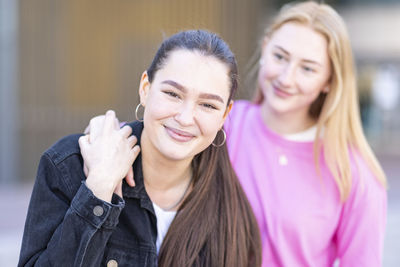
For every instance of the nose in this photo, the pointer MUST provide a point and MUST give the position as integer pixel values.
(185, 115)
(287, 76)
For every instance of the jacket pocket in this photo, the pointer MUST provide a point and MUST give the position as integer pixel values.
(120, 254)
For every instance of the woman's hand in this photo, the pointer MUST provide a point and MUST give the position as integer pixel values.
(94, 129)
(108, 153)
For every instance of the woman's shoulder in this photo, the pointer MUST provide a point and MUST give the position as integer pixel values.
(68, 145)
(241, 106)
(241, 111)
(364, 180)
(61, 166)
(359, 165)
(64, 148)
(137, 128)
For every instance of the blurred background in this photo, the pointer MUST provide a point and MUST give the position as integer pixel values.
(63, 62)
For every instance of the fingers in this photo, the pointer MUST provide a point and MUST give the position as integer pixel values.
(132, 141)
(126, 131)
(85, 169)
(130, 177)
(83, 145)
(135, 151)
(109, 122)
(102, 124)
(83, 142)
(116, 124)
(95, 127)
(87, 130)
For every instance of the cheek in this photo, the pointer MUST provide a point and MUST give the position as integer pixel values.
(312, 86)
(209, 124)
(313, 96)
(157, 108)
(271, 68)
(263, 77)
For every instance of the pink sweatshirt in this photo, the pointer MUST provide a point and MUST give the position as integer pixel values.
(301, 219)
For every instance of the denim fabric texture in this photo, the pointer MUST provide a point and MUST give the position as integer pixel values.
(67, 225)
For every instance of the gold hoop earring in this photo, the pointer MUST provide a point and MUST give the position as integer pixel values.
(223, 142)
(136, 112)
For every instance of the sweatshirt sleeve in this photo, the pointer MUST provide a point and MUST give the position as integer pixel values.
(361, 229)
(66, 228)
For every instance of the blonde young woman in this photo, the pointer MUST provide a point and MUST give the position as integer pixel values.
(299, 151)
(315, 186)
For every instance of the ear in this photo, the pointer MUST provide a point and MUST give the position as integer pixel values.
(326, 89)
(144, 88)
(228, 109)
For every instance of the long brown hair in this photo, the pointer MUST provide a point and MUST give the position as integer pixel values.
(215, 225)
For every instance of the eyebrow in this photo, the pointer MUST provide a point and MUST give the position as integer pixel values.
(305, 60)
(181, 88)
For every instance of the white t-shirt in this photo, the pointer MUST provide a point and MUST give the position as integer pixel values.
(164, 219)
(304, 136)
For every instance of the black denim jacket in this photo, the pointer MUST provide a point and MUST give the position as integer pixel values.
(67, 225)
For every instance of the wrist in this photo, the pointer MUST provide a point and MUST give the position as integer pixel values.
(101, 188)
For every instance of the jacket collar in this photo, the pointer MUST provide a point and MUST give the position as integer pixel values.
(138, 191)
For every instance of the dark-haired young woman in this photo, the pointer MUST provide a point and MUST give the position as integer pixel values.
(187, 207)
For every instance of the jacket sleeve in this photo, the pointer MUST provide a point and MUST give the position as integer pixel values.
(63, 227)
(361, 230)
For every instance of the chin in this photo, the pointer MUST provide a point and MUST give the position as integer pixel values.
(175, 154)
(182, 151)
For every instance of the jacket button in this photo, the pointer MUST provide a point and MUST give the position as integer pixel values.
(112, 263)
(98, 211)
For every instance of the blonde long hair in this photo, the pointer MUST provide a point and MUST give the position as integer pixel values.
(338, 113)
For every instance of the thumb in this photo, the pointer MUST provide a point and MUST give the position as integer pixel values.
(87, 130)
(83, 142)
(85, 170)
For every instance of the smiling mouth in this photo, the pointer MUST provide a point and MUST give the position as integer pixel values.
(281, 93)
(179, 135)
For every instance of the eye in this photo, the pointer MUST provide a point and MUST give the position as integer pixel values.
(209, 106)
(278, 56)
(308, 69)
(172, 94)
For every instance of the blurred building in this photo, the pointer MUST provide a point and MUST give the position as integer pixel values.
(63, 62)
(374, 27)
(74, 59)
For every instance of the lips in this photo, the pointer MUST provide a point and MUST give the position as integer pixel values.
(281, 93)
(179, 135)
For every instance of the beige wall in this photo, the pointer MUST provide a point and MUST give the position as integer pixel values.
(79, 58)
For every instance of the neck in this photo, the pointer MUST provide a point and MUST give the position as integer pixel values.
(286, 123)
(166, 181)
